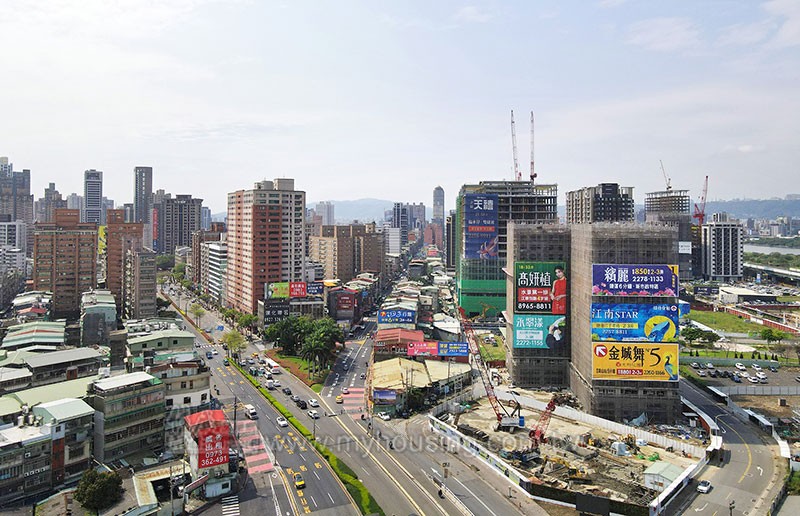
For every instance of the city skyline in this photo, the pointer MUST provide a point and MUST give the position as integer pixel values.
(417, 93)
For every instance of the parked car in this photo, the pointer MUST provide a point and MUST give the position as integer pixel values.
(761, 374)
(756, 367)
(773, 369)
(725, 374)
(701, 372)
(282, 422)
(752, 379)
(712, 373)
(736, 378)
(384, 416)
(710, 365)
(740, 366)
(704, 486)
(797, 378)
(763, 380)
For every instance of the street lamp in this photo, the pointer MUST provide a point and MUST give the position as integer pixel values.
(731, 506)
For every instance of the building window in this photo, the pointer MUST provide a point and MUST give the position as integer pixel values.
(169, 402)
(187, 400)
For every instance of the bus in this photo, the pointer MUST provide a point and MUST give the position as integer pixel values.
(273, 366)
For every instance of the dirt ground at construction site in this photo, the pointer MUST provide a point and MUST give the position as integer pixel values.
(606, 472)
(768, 405)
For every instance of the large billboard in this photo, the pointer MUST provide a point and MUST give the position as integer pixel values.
(212, 444)
(453, 349)
(480, 226)
(540, 287)
(396, 317)
(539, 331)
(428, 349)
(705, 290)
(634, 322)
(345, 301)
(277, 290)
(384, 397)
(315, 288)
(297, 289)
(155, 229)
(635, 361)
(274, 311)
(635, 280)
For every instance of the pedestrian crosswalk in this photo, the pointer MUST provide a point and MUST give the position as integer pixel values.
(230, 505)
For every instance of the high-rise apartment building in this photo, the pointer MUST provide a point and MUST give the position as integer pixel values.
(479, 236)
(52, 200)
(13, 233)
(16, 199)
(325, 210)
(177, 218)
(393, 240)
(606, 202)
(621, 244)
(416, 216)
(139, 284)
(345, 251)
(65, 260)
(400, 219)
(121, 237)
(438, 206)
(75, 202)
(449, 249)
(217, 265)
(671, 208)
(143, 195)
(129, 212)
(194, 267)
(205, 218)
(266, 241)
(93, 196)
(722, 251)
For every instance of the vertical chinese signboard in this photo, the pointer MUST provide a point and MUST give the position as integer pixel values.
(480, 226)
(212, 444)
(540, 288)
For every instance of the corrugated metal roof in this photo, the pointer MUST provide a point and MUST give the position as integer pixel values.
(58, 357)
(54, 391)
(163, 334)
(123, 380)
(63, 409)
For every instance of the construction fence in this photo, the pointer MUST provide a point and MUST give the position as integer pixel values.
(760, 390)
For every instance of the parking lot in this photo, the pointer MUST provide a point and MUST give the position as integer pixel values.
(784, 376)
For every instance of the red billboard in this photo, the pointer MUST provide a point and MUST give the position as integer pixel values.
(297, 289)
(427, 349)
(345, 301)
(212, 444)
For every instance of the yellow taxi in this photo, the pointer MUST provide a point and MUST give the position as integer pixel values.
(339, 399)
(299, 483)
(254, 355)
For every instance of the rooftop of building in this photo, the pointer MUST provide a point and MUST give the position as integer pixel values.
(14, 373)
(97, 297)
(141, 326)
(399, 373)
(399, 334)
(59, 357)
(741, 291)
(23, 434)
(125, 380)
(162, 334)
(438, 370)
(55, 391)
(63, 410)
(665, 469)
(32, 297)
(167, 356)
(38, 332)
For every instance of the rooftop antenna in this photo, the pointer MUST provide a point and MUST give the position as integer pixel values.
(533, 174)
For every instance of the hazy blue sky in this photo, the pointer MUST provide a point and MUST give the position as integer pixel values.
(389, 99)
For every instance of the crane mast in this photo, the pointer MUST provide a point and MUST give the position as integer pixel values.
(666, 178)
(533, 174)
(517, 174)
(700, 211)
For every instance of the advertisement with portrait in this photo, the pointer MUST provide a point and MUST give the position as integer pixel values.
(212, 445)
(635, 280)
(539, 331)
(480, 226)
(540, 287)
(277, 290)
(634, 322)
(644, 361)
(427, 349)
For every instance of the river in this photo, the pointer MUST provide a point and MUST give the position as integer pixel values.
(749, 248)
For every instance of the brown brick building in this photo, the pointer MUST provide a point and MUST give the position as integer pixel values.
(120, 237)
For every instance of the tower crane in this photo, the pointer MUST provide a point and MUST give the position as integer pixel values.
(666, 178)
(700, 211)
(517, 174)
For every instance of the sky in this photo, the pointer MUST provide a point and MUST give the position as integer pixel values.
(357, 99)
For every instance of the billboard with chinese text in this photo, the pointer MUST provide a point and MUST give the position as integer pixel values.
(315, 288)
(635, 361)
(212, 446)
(428, 349)
(705, 290)
(540, 287)
(277, 290)
(539, 331)
(274, 311)
(634, 280)
(480, 226)
(634, 322)
(345, 301)
(453, 349)
(396, 317)
(297, 289)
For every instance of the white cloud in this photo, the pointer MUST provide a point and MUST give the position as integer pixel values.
(664, 34)
(745, 34)
(472, 14)
(789, 33)
(744, 149)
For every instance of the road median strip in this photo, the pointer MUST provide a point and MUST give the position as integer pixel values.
(360, 495)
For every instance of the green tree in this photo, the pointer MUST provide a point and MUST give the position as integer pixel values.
(162, 280)
(234, 341)
(205, 298)
(710, 337)
(197, 312)
(290, 333)
(768, 334)
(187, 284)
(96, 491)
(321, 343)
(165, 262)
(691, 334)
(162, 304)
(246, 320)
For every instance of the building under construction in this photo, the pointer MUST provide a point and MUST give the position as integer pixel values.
(537, 366)
(672, 208)
(618, 243)
(481, 280)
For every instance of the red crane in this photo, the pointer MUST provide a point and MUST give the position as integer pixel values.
(537, 434)
(700, 211)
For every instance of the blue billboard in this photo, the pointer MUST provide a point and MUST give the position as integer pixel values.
(635, 280)
(315, 288)
(396, 316)
(453, 349)
(634, 322)
(539, 331)
(480, 226)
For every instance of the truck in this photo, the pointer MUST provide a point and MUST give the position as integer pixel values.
(250, 412)
(270, 384)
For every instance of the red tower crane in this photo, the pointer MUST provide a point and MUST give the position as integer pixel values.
(700, 211)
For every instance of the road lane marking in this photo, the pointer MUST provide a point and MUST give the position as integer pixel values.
(315, 474)
(329, 496)
(760, 471)
(312, 499)
(476, 497)
(698, 509)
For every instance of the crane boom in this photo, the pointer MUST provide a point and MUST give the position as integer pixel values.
(533, 174)
(517, 174)
(666, 178)
(700, 211)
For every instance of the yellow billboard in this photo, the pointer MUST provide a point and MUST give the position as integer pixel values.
(643, 361)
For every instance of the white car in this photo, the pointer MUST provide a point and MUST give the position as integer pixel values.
(744, 374)
(313, 414)
(704, 486)
(313, 403)
(276, 383)
(740, 366)
(701, 373)
(384, 416)
(756, 367)
(214, 352)
(761, 374)
(752, 379)
(282, 422)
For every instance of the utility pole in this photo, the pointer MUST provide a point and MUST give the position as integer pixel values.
(235, 407)
(731, 507)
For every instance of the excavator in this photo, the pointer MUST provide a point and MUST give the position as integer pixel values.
(574, 474)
